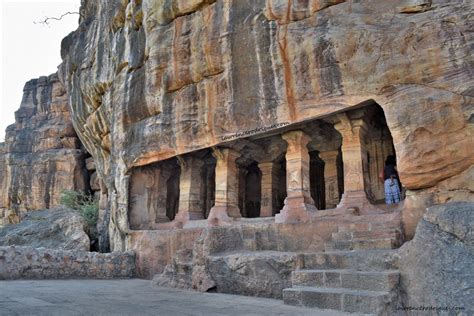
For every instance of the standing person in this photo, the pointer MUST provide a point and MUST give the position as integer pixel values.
(389, 175)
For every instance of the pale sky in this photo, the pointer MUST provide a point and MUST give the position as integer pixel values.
(29, 50)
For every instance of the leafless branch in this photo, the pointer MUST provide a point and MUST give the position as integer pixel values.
(46, 19)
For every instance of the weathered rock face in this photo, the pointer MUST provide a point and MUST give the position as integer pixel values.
(55, 229)
(151, 79)
(436, 266)
(42, 154)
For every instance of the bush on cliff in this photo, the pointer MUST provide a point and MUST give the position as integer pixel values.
(86, 206)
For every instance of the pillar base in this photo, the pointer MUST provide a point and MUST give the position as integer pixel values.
(295, 211)
(266, 213)
(194, 216)
(357, 200)
(186, 216)
(218, 215)
(162, 219)
(169, 225)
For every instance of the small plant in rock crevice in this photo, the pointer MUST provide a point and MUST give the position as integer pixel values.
(85, 205)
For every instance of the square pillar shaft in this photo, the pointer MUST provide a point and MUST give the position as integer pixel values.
(190, 182)
(242, 190)
(162, 176)
(331, 187)
(226, 198)
(353, 149)
(268, 187)
(354, 155)
(298, 201)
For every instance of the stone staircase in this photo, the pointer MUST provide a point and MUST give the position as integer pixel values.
(362, 281)
(357, 273)
(381, 232)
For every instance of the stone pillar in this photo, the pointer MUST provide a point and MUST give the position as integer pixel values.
(268, 187)
(331, 187)
(354, 156)
(190, 182)
(242, 190)
(298, 201)
(226, 200)
(162, 176)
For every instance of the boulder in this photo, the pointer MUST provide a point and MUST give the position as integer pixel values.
(437, 265)
(57, 228)
(261, 273)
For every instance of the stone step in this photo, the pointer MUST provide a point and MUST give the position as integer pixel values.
(349, 279)
(363, 235)
(347, 300)
(360, 260)
(365, 226)
(382, 243)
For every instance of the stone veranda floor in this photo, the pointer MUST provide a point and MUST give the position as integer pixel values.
(130, 297)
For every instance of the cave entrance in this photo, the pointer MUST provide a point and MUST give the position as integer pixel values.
(325, 164)
(153, 194)
(250, 194)
(172, 192)
(380, 151)
(316, 178)
(208, 178)
(366, 145)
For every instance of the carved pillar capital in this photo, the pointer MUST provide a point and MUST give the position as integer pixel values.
(225, 155)
(296, 140)
(329, 156)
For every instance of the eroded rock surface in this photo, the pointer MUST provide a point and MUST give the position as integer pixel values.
(57, 228)
(437, 265)
(42, 154)
(147, 81)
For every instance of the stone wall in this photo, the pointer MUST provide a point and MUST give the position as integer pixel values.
(42, 263)
(156, 249)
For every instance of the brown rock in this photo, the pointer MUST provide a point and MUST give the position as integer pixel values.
(185, 75)
(90, 164)
(95, 182)
(42, 154)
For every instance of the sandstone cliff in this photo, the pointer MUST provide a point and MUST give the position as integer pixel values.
(42, 154)
(151, 79)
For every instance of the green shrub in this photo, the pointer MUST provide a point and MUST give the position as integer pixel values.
(90, 212)
(71, 199)
(82, 203)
